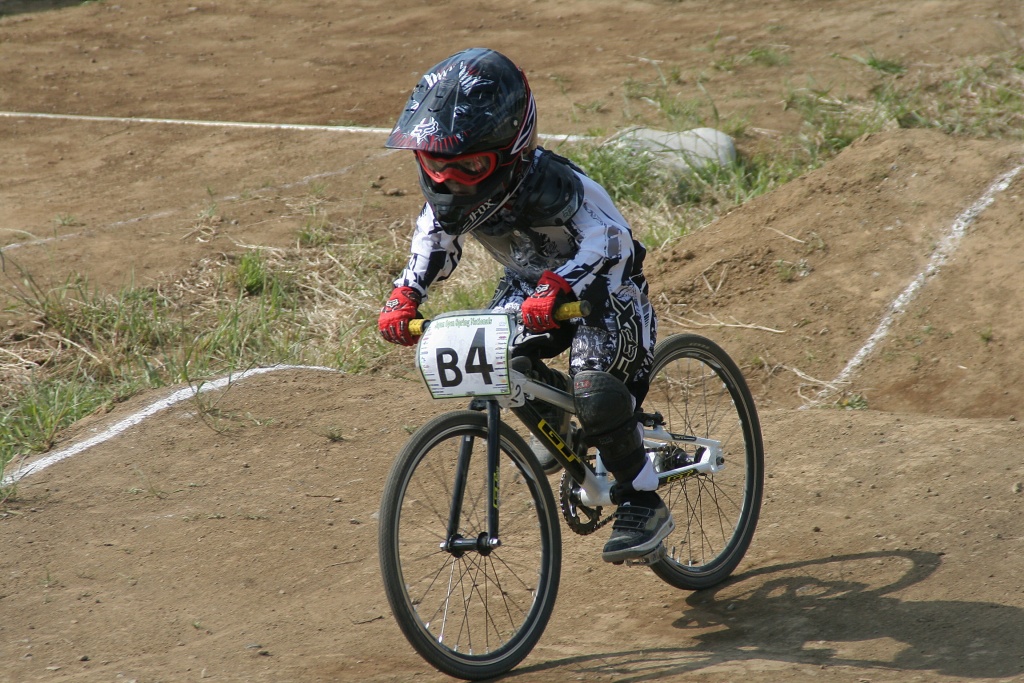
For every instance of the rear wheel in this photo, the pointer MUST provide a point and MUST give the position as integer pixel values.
(700, 392)
(471, 611)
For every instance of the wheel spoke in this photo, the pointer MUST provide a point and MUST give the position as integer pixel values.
(700, 392)
(472, 613)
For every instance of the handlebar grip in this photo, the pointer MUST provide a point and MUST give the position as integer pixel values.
(417, 326)
(576, 309)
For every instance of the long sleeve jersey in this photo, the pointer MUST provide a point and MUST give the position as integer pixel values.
(593, 248)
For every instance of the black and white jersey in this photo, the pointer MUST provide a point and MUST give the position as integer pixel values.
(593, 249)
(577, 232)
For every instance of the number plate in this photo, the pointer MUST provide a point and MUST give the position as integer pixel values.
(466, 354)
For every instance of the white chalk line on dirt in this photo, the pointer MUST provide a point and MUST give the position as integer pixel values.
(148, 411)
(37, 241)
(187, 122)
(233, 124)
(945, 249)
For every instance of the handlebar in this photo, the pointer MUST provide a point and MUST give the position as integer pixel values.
(575, 309)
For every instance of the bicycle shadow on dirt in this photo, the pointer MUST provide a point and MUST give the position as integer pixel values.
(817, 613)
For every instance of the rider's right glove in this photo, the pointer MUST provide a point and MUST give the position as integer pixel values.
(539, 308)
(401, 307)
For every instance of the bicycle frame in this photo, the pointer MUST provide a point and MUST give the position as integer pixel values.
(595, 485)
(593, 480)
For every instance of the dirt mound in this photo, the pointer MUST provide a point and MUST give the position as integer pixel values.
(796, 282)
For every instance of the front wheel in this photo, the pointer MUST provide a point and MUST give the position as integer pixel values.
(472, 612)
(700, 392)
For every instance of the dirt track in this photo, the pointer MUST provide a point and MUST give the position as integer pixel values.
(246, 550)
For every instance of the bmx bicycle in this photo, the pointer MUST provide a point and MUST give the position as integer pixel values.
(469, 536)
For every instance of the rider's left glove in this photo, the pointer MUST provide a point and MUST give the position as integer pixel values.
(539, 309)
(401, 307)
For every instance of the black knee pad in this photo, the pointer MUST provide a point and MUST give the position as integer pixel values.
(603, 403)
(604, 408)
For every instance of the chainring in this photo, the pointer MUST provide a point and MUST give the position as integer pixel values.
(581, 519)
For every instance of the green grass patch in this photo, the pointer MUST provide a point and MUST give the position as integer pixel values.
(87, 349)
(663, 204)
(976, 99)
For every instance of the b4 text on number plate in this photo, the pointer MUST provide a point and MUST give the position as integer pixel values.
(466, 354)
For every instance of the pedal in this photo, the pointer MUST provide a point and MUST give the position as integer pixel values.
(650, 558)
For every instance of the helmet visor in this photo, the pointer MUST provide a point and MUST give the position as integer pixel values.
(466, 169)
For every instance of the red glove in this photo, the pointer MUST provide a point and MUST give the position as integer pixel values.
(401, 307)
(539, 310)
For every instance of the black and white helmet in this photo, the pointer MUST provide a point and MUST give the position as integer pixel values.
(472, 122)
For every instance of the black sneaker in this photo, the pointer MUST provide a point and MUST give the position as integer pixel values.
(641, 524)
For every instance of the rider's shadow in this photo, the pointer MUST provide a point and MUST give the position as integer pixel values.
(791, 614)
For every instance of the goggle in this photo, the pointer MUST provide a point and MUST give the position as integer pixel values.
(465, 169)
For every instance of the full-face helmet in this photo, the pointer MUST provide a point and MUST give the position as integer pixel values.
(472, 123)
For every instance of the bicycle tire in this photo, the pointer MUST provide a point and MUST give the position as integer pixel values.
(700, 391)
(478, 615)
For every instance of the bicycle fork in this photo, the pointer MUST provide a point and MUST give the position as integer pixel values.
(488, 540)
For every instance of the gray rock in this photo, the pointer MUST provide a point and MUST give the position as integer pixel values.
(682, 151)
